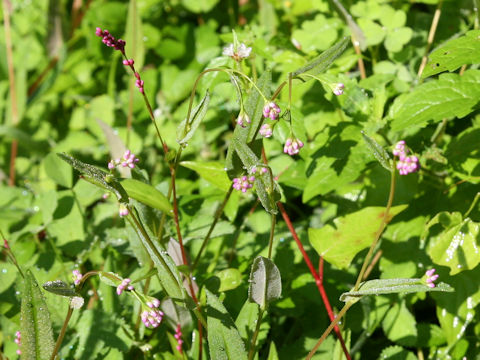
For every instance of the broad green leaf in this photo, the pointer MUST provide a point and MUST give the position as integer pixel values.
(212, 171)
(350, 234)
(224, 341)
(317, 34)
(8, 274)
(109, 278)
(58, 171)
(456, 245)
(265, 186)
(272, 352)
(378, 151)
(265, 282)
(464, 50)
(456, 310)
(463, 155)
(324, 60)
(199, 6)
(97, 176)
(392, 286)
(59, 287)
(246, 323)
(451, 95)
(24, 139)
(147, 195)
(187, 127)
(36, 327)
(229, 279)
(396, 353)
(399, 325)
(134, 47)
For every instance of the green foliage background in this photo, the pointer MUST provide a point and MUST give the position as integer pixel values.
(74, 96)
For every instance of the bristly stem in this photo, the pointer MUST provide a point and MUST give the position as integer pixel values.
(380, 229)
(431, 36)
(251, 351)
(318, 280)
(272, 232)
(62, 333)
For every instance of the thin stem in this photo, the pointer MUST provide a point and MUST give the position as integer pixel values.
(379, 232)
(145, 291)
(328, 330)
(272, 232)
(361, 65)
(472, 206)
(251, 351)
(218, 213)
(431, 36)
(280, 87)
(315, 275)
(62, 333)
(10, 254)
(370, 267)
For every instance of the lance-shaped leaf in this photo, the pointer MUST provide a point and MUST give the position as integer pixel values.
(97, 177)
(59, 287)
(35, 324)
(211, 171)
(392, 286)
(265, 186)
(134, 47)
(265, 282)
(324, 60)
(187, 127)
(147, 195)
(378, 151)
(464, 50)
(224, 341)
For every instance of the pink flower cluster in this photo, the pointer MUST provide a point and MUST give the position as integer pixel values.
(338, 89)
(152, 317)
(110, 41)
(292, 146)
(243, 183)
(271, 110)
(406, 164)
(266, 130)
(129, 160)
(77, 277)
(243, 119)
(124, 285)
(431, 278)
(178, 336)
(123, 210)
(18, 341)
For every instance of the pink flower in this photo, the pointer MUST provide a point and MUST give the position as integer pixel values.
(292, 146)
(243, 183)
(338, 89)
(243, 119)
(123, 210)
(77, 277)
(178, 336)
(406, 164)
(431, 278)
(271, 110)
(129, 159)
(125, 284)
(266, 130)
(152, 318)
(110, 41)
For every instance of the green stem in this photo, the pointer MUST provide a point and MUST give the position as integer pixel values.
(62, 333)
(272, 231)
(472, 206)
(251, 351)
(329, 329)
(218, 213)
(380, 229)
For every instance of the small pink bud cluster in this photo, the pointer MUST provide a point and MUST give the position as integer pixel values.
(271, 110)
(406, 164)
(266, 130)
(129, 160)
(128, 62)
(110, 41)
(124, 285)
(262, 171)
(243, 119)
(123, 210)
(18, 341)
(178, 336)
(77, 277)
(105, 196)
(243, 183)
(338, 89)
(292, 146)
(5, 244)
(431, 278)
(139, 83)
(152, 316)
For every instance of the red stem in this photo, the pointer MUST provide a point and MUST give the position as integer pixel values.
(317, 277)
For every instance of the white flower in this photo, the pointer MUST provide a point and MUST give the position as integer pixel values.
(242, 52)
(76, 302)
(228, 50)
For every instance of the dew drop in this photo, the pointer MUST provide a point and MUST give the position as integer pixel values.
(4, 271)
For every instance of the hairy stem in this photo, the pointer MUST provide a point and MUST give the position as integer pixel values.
(251, 351)
(431, 36)
(62, 333)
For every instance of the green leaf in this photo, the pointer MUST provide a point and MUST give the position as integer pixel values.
(36, 327)
(456, 246)
(451, 95)
(224, 340)
(134, 47)
(272, 352)
(392, 286)
(187, 127)
(58, 171)
(399, 325)
(58, 287)
(8, 274)
(265, 282)
(97, 176)
(212, 171)
(199, 6)
(109, 278)
(350, 234)
(396, 353)
(265, 186)
(464, 50)
(24, 139)
(246, 323)
(147, 195)
(324, 60)
(378, 151)
(229, 279)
